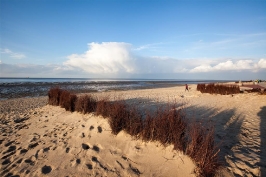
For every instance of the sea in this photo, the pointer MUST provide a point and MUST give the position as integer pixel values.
(33, 87)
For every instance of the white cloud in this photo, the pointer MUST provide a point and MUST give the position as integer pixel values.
(229, 65)
(238, 65)
(106, 57)
(201, 68)
(262, 63)
(13, 54)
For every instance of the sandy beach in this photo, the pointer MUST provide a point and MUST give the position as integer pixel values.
(38, 139)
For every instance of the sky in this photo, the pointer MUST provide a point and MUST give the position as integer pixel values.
(150, 39)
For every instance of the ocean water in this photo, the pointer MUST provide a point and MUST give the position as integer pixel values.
(32, 87)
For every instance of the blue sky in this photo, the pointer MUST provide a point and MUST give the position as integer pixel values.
(133, 39)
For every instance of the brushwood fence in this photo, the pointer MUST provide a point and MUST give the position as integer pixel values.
(218, 89)
(165, 125)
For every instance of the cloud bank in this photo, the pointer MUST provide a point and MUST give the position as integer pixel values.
(114, 57)
(118, 60)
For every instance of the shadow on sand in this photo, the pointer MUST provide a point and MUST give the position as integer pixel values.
(227, 130)
(227, 126)
(262, 115)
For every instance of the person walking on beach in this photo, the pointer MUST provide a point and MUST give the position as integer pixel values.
(186, 88)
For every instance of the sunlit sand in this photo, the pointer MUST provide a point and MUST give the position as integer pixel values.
(39, 139)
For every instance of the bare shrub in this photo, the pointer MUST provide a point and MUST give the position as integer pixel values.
(161, 126)
(72, 102)
(80, 104)
(54, 96)
(178, 128)
(134, 123)
(86, 104)
(263, 92)
(149, 128)
(201, 88)
(103, 107)
(166, 125)
(118, 116)
(201, 148)
(210, 88)
(64, 98)
(255, 90)
(67, 100)
(218, 89)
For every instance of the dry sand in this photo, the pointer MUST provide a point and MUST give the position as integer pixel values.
(42, 140)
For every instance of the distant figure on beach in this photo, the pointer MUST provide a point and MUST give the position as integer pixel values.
(186, 88)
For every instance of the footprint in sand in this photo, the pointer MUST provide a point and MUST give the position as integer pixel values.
(46, 149)
(19, 161)
(9, 143)
(89, 166)
(96, 148)
(23, 151)
(120, 164)
(131, 167)
(99, 129)
(134, 169)
(82, 135)
(75, 162)
(94, 159)
(11, 175)
(29, 161)
(85, 146)
(78, 161)
(46, 169)
(8, 155)
(33, 145)
(13, 165)
(67, 150)
(91, 128)
(27, 171)
(10, 149)
(5, 162)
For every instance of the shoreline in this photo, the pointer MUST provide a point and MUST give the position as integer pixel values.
(24, 89)
(238, 123)
(41, 89)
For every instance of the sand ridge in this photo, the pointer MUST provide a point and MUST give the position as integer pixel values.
(59, 143)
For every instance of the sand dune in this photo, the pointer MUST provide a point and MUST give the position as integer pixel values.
(42, 140)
